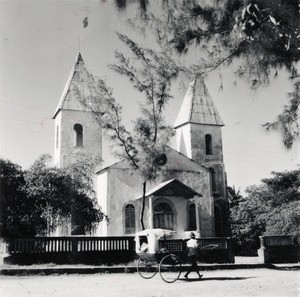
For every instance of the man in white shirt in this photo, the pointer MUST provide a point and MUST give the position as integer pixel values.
(193, 255)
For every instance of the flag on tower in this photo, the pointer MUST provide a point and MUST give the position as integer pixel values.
(85, 22)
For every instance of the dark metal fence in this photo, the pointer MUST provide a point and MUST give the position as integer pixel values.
(279, 249)
(211, 249)
(104, 250)
(71, 250)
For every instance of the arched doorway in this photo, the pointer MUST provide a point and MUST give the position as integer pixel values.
(163, 216)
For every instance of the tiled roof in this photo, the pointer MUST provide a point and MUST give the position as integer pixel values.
(78, 65)
(173, 187)
(198, 106)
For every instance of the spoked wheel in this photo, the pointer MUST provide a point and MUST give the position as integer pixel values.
(146, 268)
(170, 268)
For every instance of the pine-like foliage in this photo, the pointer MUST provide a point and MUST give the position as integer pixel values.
(150, 73)
(261, 37)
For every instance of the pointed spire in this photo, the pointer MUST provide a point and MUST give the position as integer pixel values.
(198, 106)
(78, 67)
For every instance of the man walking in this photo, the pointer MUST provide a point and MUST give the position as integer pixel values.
(193, 255)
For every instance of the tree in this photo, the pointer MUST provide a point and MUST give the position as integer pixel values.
(150, 73)
(34, 202)
(13, 201)
(272, 208)
(257, 38)
(85, 211)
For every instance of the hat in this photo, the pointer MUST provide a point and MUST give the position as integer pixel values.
(192, 235)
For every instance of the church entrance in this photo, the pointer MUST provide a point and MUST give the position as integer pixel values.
(163, 216)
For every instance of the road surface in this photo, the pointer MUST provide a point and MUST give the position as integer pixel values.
(233, 283)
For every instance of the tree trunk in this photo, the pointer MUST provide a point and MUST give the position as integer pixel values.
(143, 206)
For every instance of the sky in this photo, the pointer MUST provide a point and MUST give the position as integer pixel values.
(39, 41)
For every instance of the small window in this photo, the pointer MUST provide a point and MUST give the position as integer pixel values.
(129, 219)
(208, 144)
(78, 135)
(192, 217)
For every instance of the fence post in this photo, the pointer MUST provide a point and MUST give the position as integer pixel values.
(230, 250)
(278, 249)
(131, 247)
(74, 250)
(3, 251)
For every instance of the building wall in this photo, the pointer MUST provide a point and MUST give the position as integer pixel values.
(200, 182)
(191, 141)
(183, 137)
(67, 151)
(57, 140)
(198, 146)
(125, 186)
(101, 188)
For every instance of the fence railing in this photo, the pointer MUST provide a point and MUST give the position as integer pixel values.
(211, 249)
(279, 240)
(69, 244)
(104, 250)
(279, 249)
(77, 249)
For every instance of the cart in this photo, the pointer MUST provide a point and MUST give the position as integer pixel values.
(155, 258)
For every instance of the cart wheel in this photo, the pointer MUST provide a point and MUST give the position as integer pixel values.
(147, 269)
(170, 268)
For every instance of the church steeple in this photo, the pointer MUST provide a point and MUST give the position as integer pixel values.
(198, 125)
(76, 131)
(199, 136)
(198, 106)
(77, 76)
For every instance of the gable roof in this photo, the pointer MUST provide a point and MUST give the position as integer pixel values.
(197, 106)
(173, 187)
(175, 161)
(78, 67)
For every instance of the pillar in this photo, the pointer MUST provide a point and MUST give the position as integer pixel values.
(198, 217)
(151, 212)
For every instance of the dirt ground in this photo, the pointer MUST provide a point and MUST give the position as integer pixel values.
(233, 283)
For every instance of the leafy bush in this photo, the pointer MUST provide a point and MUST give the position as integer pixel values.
(272, 208)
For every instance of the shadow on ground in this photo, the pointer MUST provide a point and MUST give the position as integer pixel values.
(292, 268)
(212, 278)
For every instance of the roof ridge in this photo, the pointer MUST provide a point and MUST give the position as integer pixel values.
(68, 84)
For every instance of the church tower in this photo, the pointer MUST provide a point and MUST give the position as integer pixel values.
(199, 137)
(76, 131)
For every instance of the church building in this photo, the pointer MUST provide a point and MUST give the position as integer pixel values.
(189, 193)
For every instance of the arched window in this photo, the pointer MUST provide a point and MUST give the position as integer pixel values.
(213, 182)
(208, 144)
(192, 217)
(78, 135)
(129, 219)
(163, 216)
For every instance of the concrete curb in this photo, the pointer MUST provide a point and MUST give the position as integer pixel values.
(12, 271)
